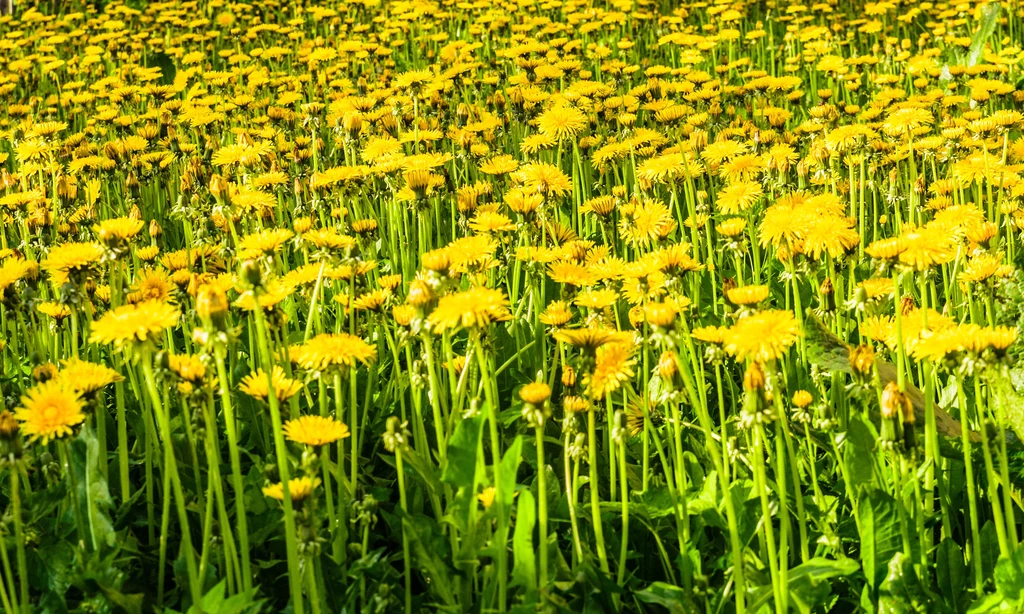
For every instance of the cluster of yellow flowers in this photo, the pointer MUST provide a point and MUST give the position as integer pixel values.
(395, 194)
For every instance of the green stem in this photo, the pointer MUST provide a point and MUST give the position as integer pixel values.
(236, 467)
(19, 538)
(171, 466)
(281, 451)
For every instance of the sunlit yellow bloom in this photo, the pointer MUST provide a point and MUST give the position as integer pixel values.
(50, 411)
(315, 430)
(763, 337)
(475, 308)
(256, 385)
(298, 488)
(136, 323)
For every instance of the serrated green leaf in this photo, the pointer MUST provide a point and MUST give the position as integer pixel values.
(989, 19)
(524, 569)
(880, 536)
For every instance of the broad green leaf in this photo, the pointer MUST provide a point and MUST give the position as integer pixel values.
(951, 572)
(129, 604)
(809, 583)
(1009, 576)
(1008, 402)
(524, 572)
(859, 453)
(509, 468)
(992, 604)
(989, 549)
(880, 537)
(166, 65)
(216, 602)
(93, 496)
(903, 591)
(655, 503)
(989, 19)
(671, 597)
(461, 469)
(432, 554)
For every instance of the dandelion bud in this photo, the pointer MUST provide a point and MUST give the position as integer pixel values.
(753, 378)
(403, 314)
(302, 224)
(8, 425)
(536, 393)
(907, 305)
(636, 316)
(436, 260)
(666, 365)
(252, 274)
(44, 372)
(619, 427)
(660, 314)
(154, 229)
(802, 399)
(393, 434)
(568, 376)
(131, 181)
(828, 296)
(895, 402)
(218, 186)
(352, 123)
(419, 293)
(862, 360)
(67, 189)
(212, 304)
(10, 438)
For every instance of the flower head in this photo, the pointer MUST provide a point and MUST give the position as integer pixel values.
(298, 488)
(256, 385)
(763, 337)
(87, 377)
(50, 410)
(333, 350)
(136, 323)
(475, 308)
(315, 430)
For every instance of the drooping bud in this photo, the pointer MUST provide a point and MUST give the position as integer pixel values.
(568, 376)
(862, 360)
(754, 379)
(252, 274)
(895, 402)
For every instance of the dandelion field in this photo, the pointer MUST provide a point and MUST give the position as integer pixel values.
(584, 306)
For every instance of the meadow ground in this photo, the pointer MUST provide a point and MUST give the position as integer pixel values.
(511, 306)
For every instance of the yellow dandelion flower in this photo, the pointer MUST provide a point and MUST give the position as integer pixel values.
(474, 308)
(87, 377)
(136, 323)
(299, 489)
(763, 337)
(315, 430)
(50, 411)
(332, 350)
(256, 385)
